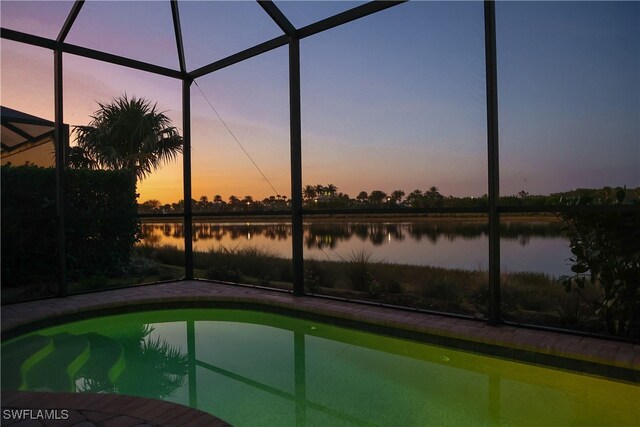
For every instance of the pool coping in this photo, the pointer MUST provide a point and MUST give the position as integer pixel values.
(586, 355)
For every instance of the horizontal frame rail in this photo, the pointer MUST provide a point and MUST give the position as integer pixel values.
(30, 39)
(240, 56)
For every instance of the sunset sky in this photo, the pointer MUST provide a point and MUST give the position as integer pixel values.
(393, 101)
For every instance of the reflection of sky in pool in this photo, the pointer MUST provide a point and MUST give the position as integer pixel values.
(254, 368)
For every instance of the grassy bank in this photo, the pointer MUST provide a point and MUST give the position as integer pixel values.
(527, 297)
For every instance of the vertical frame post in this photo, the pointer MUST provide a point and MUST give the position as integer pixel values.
(493, 161)
(296, 165)
(61, 141)
(186, 173)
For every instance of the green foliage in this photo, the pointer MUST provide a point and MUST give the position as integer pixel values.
(606, 252)
(101, 222)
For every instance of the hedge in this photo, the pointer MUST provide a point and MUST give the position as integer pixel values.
(101, 224)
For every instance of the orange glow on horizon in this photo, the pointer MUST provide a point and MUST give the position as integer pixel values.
(167, 187)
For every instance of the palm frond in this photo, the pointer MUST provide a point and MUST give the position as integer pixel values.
(128, 133)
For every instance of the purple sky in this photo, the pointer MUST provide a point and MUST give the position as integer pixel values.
(393, 101)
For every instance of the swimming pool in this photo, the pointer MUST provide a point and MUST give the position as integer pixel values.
(254, 368)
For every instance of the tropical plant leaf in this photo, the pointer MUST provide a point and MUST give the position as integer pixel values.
(128, 133)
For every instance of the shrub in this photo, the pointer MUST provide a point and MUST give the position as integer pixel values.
(606, 253)
(100, 230)
(29, 224)
(101, 220)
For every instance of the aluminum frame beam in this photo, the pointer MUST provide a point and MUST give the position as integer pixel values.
(18, 36)
(309, 30)
(240, 56)
(120, 60)
(493, 162)
(278, 17)
(186, 181)
(61, 149)
(292, 37)
(270, 8)
(71, 18)
(297, 232)
(28, 144)
(25, 135)
(347, 16)
(175, 14)
(30, 39)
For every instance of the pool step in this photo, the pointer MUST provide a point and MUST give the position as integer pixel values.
(70, 353)
(19, 356)
(26, 364)
(105, 363)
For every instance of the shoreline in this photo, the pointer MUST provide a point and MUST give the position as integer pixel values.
(398, 218)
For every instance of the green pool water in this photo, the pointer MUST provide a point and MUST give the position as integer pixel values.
(259, 369)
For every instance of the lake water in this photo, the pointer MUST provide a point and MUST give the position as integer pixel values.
(535, 246)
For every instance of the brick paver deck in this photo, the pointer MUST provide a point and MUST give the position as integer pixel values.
(616, 360)
(98, 410)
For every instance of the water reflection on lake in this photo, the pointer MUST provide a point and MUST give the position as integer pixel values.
(525, 245)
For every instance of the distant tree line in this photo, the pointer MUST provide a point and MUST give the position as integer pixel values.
(328, 197)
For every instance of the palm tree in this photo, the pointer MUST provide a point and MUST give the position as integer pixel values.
(362, 197)
(128, 133)
(203, 204)
(434, 197)
(415, 199)
(247, 200)
(397, 196)
(377, 197)
(162, 365)
(309, 192)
